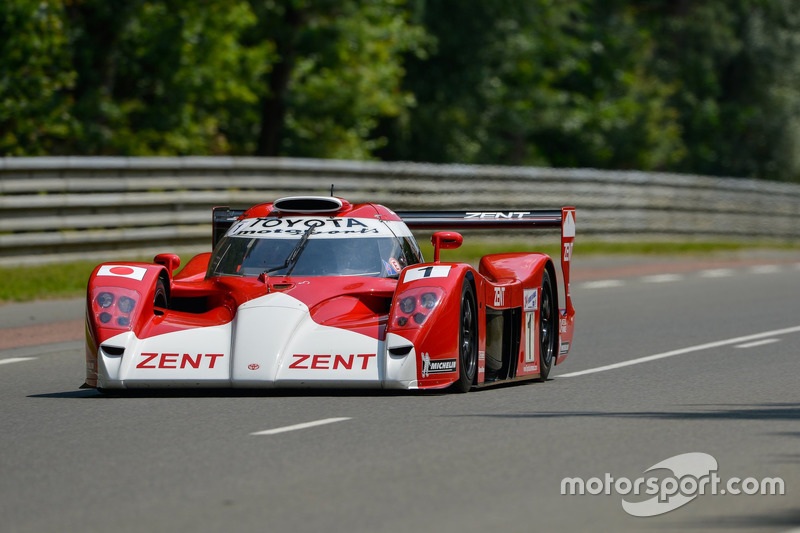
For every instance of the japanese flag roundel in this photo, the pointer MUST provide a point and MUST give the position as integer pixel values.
(123, 271)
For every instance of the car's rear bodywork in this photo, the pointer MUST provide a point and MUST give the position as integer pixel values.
(347, 302)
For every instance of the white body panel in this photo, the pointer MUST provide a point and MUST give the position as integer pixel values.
(271, 342)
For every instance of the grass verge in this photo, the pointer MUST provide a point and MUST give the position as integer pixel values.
(68, 280)
(25, 283)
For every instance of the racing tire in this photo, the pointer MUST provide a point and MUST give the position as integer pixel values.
(467, 339)
(160, 299)
(548, 327)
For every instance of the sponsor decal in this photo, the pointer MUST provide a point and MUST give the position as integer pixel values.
(499, 296)
(290, 227)
(562, 325)
(395, 264)
(481, 364)
(530, 300)
(495, 215)
(331, 361)
(530, 368)
(530, 338)
(437, 366)
(568, 251)
(154, 360)
(564, 348)
(690, 475)
(433, 271)
(390, 270)
(253, 366)
(123, 271)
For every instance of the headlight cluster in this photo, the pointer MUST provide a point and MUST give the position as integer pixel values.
(414, 306)
(113, 306)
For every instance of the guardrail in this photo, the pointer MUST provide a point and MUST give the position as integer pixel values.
(66, 208)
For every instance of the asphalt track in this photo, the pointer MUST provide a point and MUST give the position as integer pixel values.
(669, 358)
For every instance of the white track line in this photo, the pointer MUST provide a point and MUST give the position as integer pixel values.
(602, 284)
(765, 269)
(15, 360)
(662, 278)
(757, 343)
(690, 349)
(717, 273)
(300, 426)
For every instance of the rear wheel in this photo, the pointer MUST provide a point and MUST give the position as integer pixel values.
(467, 339)
(548, 332)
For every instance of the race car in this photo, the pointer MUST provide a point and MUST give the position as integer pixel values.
(313, 291)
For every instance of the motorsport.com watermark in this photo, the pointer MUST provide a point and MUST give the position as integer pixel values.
(693, 474)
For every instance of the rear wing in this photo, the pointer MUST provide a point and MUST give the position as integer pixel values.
(482, 219)
(518, 219)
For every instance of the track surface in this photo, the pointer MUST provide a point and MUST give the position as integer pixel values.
(725, 383)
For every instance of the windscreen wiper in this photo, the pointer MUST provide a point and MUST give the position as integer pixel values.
(294, 255)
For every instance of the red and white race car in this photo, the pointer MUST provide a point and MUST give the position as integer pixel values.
(319, 292)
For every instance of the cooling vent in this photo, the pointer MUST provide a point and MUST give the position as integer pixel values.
(308, 204)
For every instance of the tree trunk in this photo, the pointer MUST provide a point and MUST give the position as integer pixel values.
(273, 104)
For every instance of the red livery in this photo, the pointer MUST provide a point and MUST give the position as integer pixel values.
(319, 292)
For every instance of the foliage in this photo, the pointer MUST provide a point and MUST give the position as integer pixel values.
(705, 87)
(338, 71)
(548, 83)
(738, 67)
(35, 78)
(162, 77)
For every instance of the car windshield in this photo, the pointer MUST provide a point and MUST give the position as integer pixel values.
(250, 250)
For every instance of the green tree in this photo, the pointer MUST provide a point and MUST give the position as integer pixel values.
(737, 64)
(706, 87)
(570, 87)
(165, 77)
(338, 70)
(36, 78)
(537, 82)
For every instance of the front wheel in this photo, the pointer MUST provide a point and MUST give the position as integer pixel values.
(160, 300)
(467, 339)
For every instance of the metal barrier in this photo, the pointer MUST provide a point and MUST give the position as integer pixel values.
(66, 208)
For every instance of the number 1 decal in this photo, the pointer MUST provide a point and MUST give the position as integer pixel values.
(432, 271)
(530, 338)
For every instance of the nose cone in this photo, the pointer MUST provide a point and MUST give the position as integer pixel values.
(263, 328)
(276, 342)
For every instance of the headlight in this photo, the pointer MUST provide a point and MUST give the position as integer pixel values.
(428, 300)
(415, 306)
(113, 307)
(126, 304)
(407, 305)
(105, 299)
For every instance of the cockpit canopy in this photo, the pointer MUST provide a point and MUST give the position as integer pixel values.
(314, 246)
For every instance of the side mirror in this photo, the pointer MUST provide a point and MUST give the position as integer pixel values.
(171, 261)
(445, 240)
